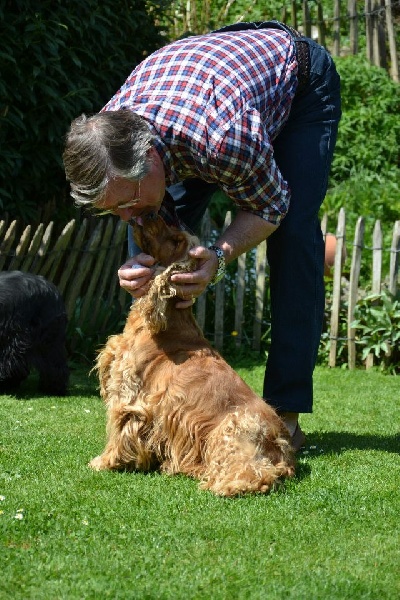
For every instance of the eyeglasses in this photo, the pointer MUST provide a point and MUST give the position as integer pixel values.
(112, 211)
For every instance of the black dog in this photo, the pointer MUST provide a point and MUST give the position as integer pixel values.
(32, 333)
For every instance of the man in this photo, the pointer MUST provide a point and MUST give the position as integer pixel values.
(253, 109)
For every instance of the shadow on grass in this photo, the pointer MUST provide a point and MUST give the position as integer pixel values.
(81, 383)
(337, 442)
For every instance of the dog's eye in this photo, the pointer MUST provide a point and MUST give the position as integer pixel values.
(151, 216)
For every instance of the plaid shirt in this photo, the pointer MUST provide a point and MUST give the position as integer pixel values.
(215, 103)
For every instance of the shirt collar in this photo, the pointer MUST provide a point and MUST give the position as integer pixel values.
(171, 175)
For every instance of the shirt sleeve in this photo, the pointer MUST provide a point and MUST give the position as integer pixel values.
(246, 170)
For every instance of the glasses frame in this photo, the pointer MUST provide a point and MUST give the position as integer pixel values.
(112, 211)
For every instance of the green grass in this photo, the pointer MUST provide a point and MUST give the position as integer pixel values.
(330, 533)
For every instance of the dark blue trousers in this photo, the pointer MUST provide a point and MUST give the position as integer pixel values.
(303, 152)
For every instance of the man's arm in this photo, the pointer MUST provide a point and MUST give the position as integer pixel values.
(245, 232)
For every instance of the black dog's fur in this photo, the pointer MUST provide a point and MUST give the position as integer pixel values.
(33, 324)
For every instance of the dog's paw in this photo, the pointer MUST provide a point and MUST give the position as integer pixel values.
(97, 464)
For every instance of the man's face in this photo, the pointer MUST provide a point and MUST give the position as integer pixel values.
(129, 199)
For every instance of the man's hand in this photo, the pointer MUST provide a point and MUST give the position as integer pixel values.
(136, 273)
(191, 285)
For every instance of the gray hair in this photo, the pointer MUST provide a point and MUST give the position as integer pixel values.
(107, 145)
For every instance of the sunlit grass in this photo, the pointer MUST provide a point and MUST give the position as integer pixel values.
(331, 532)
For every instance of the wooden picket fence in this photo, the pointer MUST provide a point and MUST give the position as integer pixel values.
(83, 263)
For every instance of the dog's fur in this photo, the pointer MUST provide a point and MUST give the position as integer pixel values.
(32, 333)
(173, 402)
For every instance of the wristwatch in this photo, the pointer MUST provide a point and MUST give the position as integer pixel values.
(221, 264)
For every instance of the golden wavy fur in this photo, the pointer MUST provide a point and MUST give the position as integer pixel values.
(173, 402)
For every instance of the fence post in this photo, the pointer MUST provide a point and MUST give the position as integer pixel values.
(205, 234)
(294, 13)
(394, 60)
(261, 264)
(394, 259)
(240, 289)
(353, 290)
(20, 251)
(353, 17)
(219, 302)
(336, 28)
(42, 250)
(117, 232)
(2, 228)
(369, 31)
(33, 247)
(92, 299)
(73, 257)
(7, 243)
(83, 269)
(306, 19)
(117, 258)
(376, 274)
(377, 258)
(321, 24)
(337, 276)
(55, 255)
(379, 45)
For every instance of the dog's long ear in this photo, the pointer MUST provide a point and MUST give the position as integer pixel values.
(153, 306)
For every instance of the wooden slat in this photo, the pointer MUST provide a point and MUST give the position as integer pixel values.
(306, 19)
(353, 290)
(293, 5)
(377, 258)
(321, 24)
(376, 274)
(109, 271)
(337, 276)
(378, 37)
(72, 259)
(205, 236)
(261, 264)
(353, 17)
(240, 289)
(120, 258)
(120, 244)
(369, 31)
(394, 259)
(85, 262)
(3, 226)
(61, 248)
(336, 28)
(33, 249)
(42, 250)
(119, 250)
(20, 251)
(220, 302)
(90, 296)
(7, 243)
(55, 255)
(394, 58)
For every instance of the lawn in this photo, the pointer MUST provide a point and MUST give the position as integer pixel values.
(332, 532)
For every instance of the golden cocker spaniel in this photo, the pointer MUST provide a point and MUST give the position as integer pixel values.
(173, 402)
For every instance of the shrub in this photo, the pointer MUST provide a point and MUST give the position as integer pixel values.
(58, 60)
(378, 323)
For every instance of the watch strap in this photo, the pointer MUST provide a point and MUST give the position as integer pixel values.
(221, 264)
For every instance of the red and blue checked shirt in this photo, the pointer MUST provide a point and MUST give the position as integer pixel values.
(215, 103)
